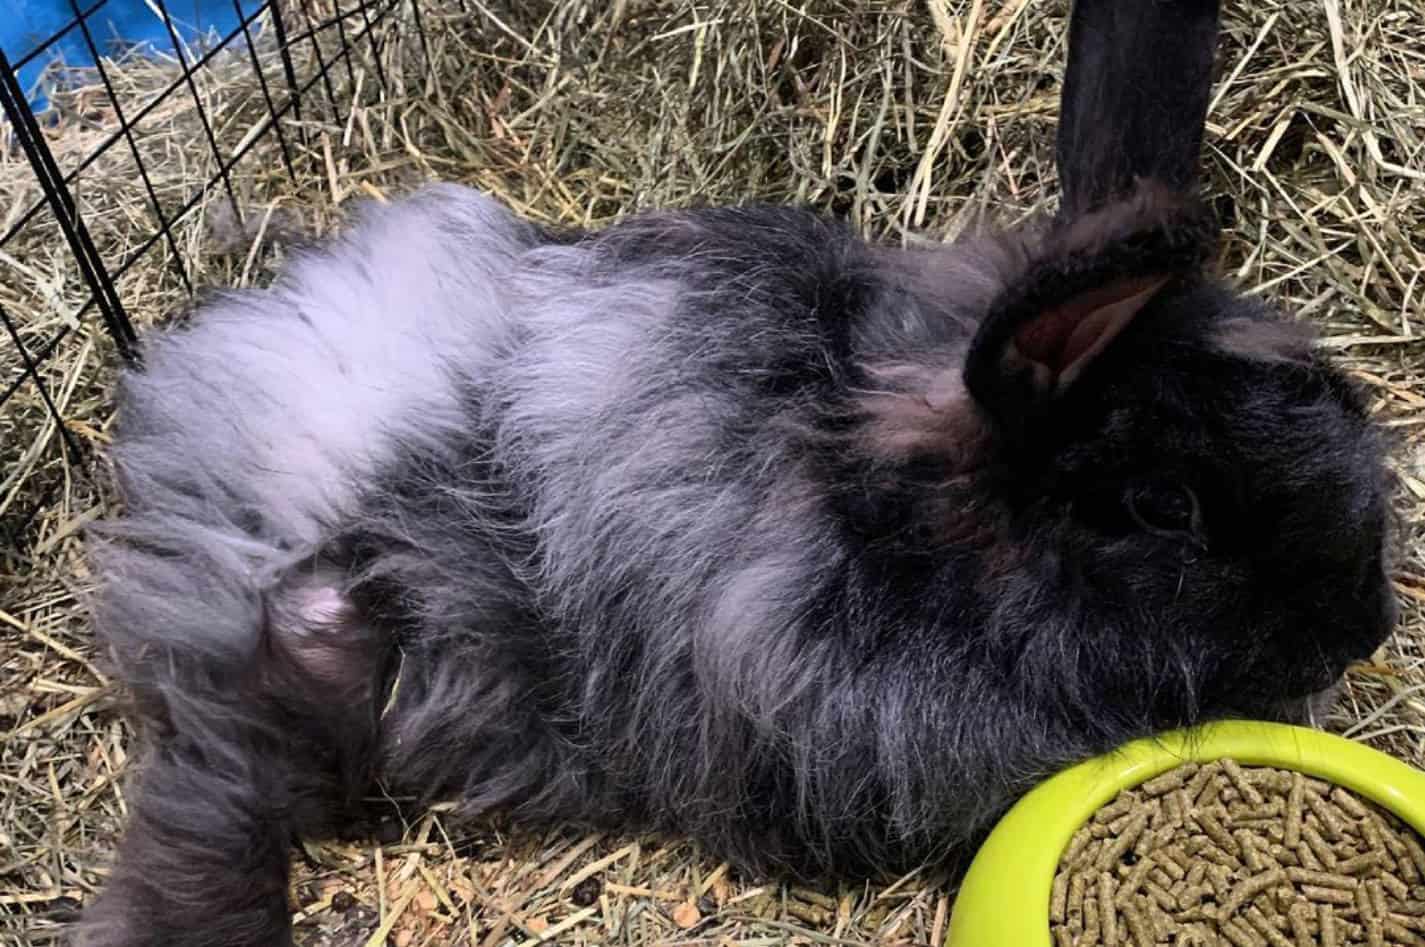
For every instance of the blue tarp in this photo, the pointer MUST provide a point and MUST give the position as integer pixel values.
(115, 25)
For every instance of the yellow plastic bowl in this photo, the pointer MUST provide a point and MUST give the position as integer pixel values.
(1004, 900)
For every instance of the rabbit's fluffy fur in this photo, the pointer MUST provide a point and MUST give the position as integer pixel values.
(720, 521)
(661, 528)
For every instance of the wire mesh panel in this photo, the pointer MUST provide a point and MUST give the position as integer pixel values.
(298, 72)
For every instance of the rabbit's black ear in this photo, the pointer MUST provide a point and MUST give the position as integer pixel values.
(1088, 281)
(1019, 367)
(1135, 97)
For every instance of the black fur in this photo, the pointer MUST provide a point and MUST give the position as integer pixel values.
(1135, 97)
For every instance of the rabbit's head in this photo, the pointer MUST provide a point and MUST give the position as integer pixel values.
(1188, 482)
(1197, 484)
(1191, 502)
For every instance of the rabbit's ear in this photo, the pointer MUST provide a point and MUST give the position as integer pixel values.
(1089, 280)
(1060, 341)
(1134, 98)
(1017, 369)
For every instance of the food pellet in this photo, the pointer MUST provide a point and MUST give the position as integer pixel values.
(1158, 919)
(1161, 785)
(1359, 863)
(1171, 870)
(1160, 896)
(1318, 847)
(1190, 897)
(1329, 895)
(1251, 854)
(1076, 899)
(1300, 915)
(1138, 927)
(1108, 915)
(1209, 824)
(1239, 856)
(1294, 803)
(1114, 811)
(1397, 931)
(1326, 815)
(1113, 853)
(1199, 781)
(1241, 935)
(1132, 881)
(1173, 808)
(1417, 854)
(1250, 888)
(1265, 927)
(1321, 879)
(1348, 803)
(1077, 844)
(1377, 893)
(1248, 791)
(1058, 898)
(1393, 843)
(1364, 908)
(1372, 836)
(1091, 928)
(1327, 926)
(1209, 792)
(1220, 878)
(1395, 886)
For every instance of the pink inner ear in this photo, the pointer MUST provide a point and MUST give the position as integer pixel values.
(1066, 337)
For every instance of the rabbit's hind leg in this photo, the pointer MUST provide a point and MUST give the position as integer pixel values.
(245, 756)
(325, 663)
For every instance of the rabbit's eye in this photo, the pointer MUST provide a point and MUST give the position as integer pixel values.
(1164, 507)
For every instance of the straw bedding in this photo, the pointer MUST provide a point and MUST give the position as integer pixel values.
(910, 118)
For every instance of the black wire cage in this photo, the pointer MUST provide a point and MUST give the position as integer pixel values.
(309, 61)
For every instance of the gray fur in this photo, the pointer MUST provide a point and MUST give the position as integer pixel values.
(593, 516)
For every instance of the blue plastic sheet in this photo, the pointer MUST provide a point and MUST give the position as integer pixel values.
(117, 25)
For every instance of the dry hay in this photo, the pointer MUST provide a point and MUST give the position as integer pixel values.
(898, 114)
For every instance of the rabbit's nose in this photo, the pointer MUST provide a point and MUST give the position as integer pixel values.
(1389, 609)
(1377, 606)
(1371, 624)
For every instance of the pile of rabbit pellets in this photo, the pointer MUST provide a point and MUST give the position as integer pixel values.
(1237, 856)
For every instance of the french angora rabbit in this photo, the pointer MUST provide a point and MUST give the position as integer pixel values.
(724, 522)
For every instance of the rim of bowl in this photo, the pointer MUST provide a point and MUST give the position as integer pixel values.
(1004, 898)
